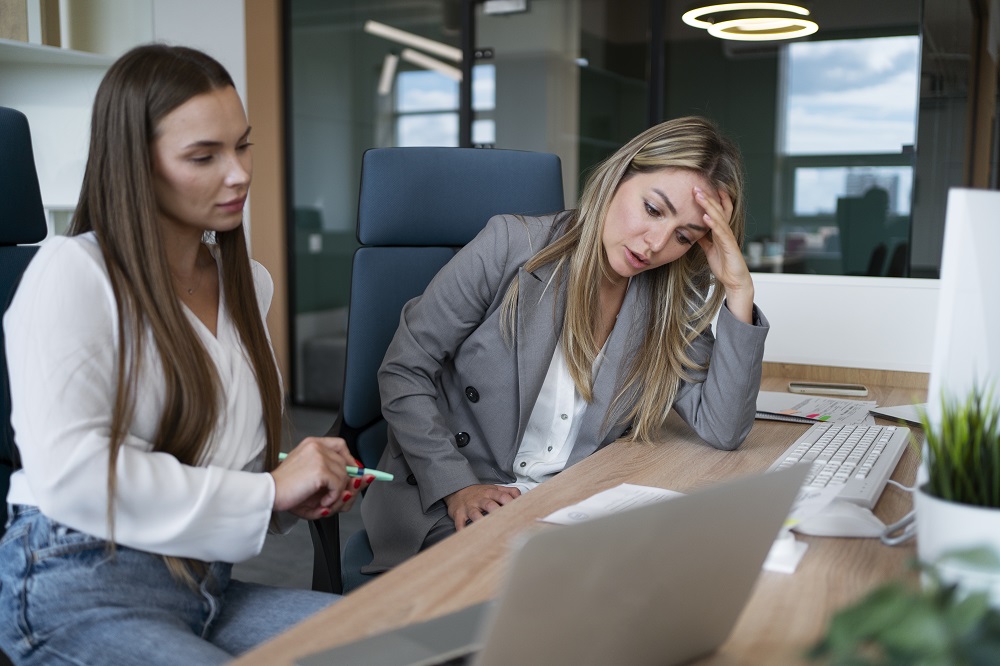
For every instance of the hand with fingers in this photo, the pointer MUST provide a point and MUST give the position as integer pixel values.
(312, 481)
(473, 503)
(725, 258)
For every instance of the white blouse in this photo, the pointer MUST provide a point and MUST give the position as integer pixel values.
(553, 426)
(62, 346)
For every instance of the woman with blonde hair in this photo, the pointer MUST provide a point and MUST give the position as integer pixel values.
(547, 338)
(146, 403)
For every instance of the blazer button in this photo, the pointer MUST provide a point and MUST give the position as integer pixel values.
(412, 480)
(462, 439)
(472, 394)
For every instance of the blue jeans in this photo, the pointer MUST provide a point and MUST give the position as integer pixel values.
(65, 599)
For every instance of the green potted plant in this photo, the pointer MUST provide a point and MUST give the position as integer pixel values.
(953, 618)
(958, 507)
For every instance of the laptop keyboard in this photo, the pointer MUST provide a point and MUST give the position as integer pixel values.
(858, 457)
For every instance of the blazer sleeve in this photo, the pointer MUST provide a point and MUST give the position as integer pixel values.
(431, 329)
(721, 408)
(61, 341)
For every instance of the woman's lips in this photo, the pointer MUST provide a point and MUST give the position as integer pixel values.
(234, 206)
(635, 261)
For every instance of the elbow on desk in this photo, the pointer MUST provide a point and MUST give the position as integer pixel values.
(726, 441)
(728, 444)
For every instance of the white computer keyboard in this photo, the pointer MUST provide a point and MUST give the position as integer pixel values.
(858, 457)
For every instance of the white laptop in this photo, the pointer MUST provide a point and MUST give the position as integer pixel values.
(660, 584)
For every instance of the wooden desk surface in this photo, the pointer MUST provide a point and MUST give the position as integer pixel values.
(785, 614)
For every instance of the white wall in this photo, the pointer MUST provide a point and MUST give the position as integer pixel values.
(855, 322)
(215, 27)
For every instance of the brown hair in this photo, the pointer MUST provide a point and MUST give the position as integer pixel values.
(117, 202)
(680, 303)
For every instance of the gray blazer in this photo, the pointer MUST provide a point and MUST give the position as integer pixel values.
(457, 396)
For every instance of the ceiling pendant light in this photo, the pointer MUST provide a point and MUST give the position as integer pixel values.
(752, 21)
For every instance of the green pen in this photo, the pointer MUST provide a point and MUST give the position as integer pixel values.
(358, 471)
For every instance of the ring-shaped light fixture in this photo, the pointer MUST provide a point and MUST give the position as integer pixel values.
(762, 29)
(752, 21)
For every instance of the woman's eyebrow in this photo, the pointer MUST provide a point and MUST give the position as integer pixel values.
(666, 200)
(211, 143)
(204, 143)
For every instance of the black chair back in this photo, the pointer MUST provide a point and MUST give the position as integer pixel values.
(22, 220)
(417, 207)
(899, 264)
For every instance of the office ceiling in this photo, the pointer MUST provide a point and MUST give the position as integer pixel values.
(947, 22)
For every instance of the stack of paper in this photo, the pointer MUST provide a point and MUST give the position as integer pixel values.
(798, 408)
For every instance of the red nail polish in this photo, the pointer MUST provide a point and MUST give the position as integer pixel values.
(369, 478)
(357, 483)
(325, 513)
(346, 497)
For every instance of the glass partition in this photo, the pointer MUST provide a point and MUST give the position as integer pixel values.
(350, 87)
(846, 139)
(851, 137)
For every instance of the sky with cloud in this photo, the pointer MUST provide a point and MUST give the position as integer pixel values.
(852, 96)
(855, 96)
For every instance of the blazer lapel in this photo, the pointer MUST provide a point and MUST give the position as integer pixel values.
(619, 351)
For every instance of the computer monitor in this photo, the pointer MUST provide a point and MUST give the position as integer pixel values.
(967, 334)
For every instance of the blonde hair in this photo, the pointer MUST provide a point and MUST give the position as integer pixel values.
(680, 303)
(117, 202)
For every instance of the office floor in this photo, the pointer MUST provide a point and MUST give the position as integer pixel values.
(286, 560)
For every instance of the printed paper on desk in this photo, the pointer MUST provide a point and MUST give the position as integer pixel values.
(815, 408)
(612, 500)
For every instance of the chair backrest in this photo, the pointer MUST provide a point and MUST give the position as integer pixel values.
(899, 264)
(22, 220)
(862, 225)
(417, 207)
(877, 261)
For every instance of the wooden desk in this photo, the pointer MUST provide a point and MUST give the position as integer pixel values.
(785, 614)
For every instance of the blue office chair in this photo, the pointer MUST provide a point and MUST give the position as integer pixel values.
(22, 220)
(417, 207)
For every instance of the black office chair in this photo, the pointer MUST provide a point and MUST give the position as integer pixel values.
(862, 225)
(417, 207)
(899, 264)
(22, 220)
(877, 260)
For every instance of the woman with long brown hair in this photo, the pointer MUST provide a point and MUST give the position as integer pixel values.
(547, 338)
(146, 403)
